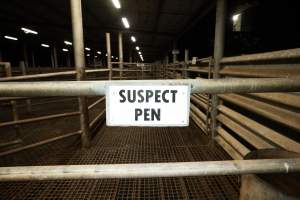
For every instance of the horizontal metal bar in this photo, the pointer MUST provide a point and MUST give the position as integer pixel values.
(37, 119)
(31, 146)
(97, 88)
(232, 141)
(234, 154)
(10, 143)
(273, 112)
(96, 103)
(97, 118)
(275, 55)
(48, 75)
(149, 170)
(261, 130)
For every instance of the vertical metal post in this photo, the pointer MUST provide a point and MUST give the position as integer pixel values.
(218, 54)
(25, 56)
(166, 67)
(108, 50)
(52, 60)
(68, 60)
(55, 57)
(23, 71)
(174, 53)
(33, 59)
(121, 59)
(186, 62)
(14, 109)
(80, 67)
(130, 54)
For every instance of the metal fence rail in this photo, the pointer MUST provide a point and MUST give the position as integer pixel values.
(96, 88)
(149, 170)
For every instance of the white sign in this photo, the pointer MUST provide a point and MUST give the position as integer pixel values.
(147, 105)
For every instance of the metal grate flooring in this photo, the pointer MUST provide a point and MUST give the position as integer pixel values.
(125, 145)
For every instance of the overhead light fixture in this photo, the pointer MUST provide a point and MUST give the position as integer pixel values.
(116, 4)
(68, 43)
(117, 58)
(88, 49)
(45, 45)
(133, 39)
(140, 53)
(235, 17)
(28, 31)
(106, 54)
(88, 55)
(96, 56)
(137, 48)
(10, 38)
(99, 52)
(65, 50)
(125, 22)
(112, 56)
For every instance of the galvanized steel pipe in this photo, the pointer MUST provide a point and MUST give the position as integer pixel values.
(149, 170)
(97, 88)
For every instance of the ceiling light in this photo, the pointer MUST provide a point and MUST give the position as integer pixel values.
(68, 43)
(125, 22)
(112, 56)
(45, 45)
(28, 31)
(133, 39)
(140, 53)
(88, 55)
(99, 52)
(137, 48)
(96, 56)
(106, 54)
(88, 49)
(116, 4)
(65, 50)
(10, 38)
(235, 17)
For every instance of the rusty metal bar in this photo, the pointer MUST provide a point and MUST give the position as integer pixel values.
(233, 142)
(265, 132)
(275, 55)
(77, 28)
(280, 115)
(228, 148)
(97, 88)
(198, 121)
(37, 119)
(244, 133)
(283, 98)
(149, 170)
(31, 146)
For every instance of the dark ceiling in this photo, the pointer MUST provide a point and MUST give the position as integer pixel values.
(155, 23)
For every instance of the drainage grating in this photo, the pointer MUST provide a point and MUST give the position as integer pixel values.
(125, 145)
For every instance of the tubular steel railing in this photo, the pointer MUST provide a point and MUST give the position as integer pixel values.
(238, 132)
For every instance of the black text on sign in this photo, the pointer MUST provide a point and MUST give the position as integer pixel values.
(153, 105)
